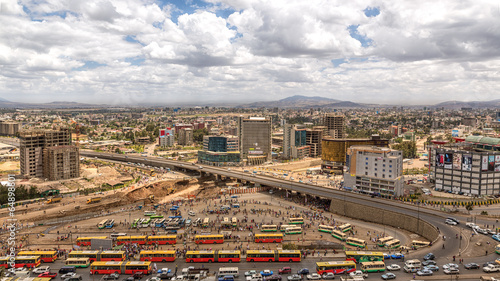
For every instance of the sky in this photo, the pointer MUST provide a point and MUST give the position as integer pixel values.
(131, 52)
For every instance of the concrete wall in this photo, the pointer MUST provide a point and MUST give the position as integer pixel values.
(380, 216)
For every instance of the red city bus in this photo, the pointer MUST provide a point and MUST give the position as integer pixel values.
(106, 267)
(141, 240)
(162, 239)
(46, 256)
(200, 256)
(157, 256)
(260, 255)
(336, 267)
(132, 267)
(228, 256)
(269, 238)
(92, 255)
(288, 255)
(209, 239)
(120, 267)
(112, 256)
(21, 261)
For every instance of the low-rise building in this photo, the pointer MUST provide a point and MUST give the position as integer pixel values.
(374, 170)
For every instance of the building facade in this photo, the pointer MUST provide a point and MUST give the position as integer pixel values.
(295, 142)
(472, 168)
(185, 136)
(334, 151)
(335, 125)
(9, 128)
(313, 140)
(254, 134)
(42, 152)
(220, 151)
(61, 162)
(166, 137)
(374, 170)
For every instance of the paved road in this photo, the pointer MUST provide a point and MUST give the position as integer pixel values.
(309, 263)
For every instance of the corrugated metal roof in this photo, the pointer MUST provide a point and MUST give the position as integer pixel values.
(483, 140)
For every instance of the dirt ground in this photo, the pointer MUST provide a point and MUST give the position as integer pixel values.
(9, 166)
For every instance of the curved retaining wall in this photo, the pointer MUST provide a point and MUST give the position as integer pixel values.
(381, 216)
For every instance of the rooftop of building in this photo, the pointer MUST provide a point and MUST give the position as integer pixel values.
(483, 140)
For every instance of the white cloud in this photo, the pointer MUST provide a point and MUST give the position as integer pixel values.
(135, 51)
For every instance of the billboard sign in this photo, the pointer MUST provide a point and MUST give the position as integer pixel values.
(439, 160)
(467, 162)
(484, 163)
(497, 163)
(448, 160)
(457, 161)
(491, 163)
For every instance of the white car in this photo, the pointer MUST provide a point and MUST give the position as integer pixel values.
(393, 267)
(449, 266)
(470, 224)
(450, 222)
(68, 275)
(41, 269)
(313, 276)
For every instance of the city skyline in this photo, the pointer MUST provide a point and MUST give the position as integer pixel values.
(144, 52)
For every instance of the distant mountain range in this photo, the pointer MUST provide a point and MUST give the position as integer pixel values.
(51, 105)
(299, 101)
(471, 104)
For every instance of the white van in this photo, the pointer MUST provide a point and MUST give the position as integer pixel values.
(191, 213)
(224, 271)
(413, 263)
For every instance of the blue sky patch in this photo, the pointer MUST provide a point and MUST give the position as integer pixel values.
(89, 65)
(135, 60)
(353, 31)
(337, 62)
(371, 11)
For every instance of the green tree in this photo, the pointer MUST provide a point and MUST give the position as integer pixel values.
(409, 149)
(469, 207)
(199, 133)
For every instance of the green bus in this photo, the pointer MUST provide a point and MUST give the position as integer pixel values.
(356, 242)
(362, 256)
(345, 227)
(373, 266)
(293, 230)
(296, 221)
(146, 221)
(268, 228)
(339, 235)
(325, 228)
(134, 224)
(381, 241)
(156, 217)
(393, 244)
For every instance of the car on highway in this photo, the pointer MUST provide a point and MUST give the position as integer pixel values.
(471, 266)
(429, 256)
(48, 274)
(450, 222)
(254, 277)
(429, 262)
(285, 270)
(138, 275)
(250, 272)
(451, 271)
(112, 276)
(450, 265)
(425, 272)
(313, 276)
(387, 256)
(432, 267)
(397, 256)
(294, 277)
(303, 271)
(74, 278)
(388, 276)
(153, 279)
(68, 275)
(393, 267)
(41, 269)
(496, 237)
(328, 276)
(358, 273)
(273, 278)
(130, 278)
(266, 272)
